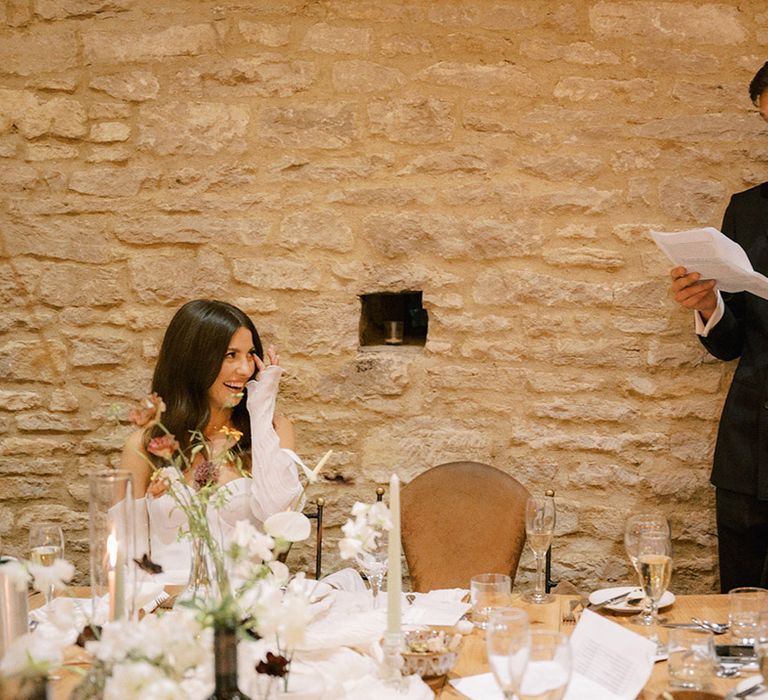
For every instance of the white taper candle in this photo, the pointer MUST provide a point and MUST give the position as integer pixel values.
(394, 575)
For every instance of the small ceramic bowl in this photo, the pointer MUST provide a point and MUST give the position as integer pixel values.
(427, 664)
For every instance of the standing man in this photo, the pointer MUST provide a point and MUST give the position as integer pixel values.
(731, 326)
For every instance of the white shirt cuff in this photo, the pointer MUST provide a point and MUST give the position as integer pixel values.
(703, 329)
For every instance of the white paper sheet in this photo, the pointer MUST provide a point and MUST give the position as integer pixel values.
(715, 256)
(610, 662)
(615, 661)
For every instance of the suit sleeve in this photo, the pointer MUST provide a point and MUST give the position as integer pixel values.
(726, 340)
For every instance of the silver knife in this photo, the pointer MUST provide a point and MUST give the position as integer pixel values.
(610, 601)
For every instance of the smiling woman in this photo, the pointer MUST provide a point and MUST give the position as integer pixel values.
(210, 357)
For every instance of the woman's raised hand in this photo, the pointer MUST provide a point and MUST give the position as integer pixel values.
(272, 356)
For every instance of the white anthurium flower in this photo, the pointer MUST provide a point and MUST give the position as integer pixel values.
(169, 475)
(117, 641)
(288, 525)
(56, 575)
(64, 617)
(360, 509)
(17, 573)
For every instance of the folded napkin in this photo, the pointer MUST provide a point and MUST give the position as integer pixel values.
(440, 607)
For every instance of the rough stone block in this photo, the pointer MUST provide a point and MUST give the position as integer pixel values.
(69, 284)
(114, 181)
(53, 423)
(333, 169)
(98, 348)
(42, 48)
(196, 128)
(562, 167)
(24, 488)
(665, 21)
(412, 120)
(324, 38)
(70, 520)
(596, 258)
(109, 154)
(263, 33)
(316, 228)
(491, 79)
(59, 116)
(326, 126)
(25, 360)
(276, 274)
(267, 75)
(579, 88)
(41, 151)
(109, 110)
(108, 132)
(382, 196)
(324, 328)
(123, 46)
(194, 275)
(365, 76)
(132, 86)
(15, 400)
(691, 199)
(59, 83)
(63, 401)
(405, 45)
(579, 53)
(185, 228)
(59, 9)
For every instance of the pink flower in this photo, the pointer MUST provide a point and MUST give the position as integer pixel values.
(206, 472)
(149, 412)
(163, 446)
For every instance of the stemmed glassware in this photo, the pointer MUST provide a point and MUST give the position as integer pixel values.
(508, 641)
(549, 666)
(539, 528)
(373, 563)
(46, 544)
(637, 526)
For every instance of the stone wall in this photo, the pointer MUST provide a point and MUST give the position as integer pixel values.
(506, 158)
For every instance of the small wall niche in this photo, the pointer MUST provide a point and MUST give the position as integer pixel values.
(393, 318)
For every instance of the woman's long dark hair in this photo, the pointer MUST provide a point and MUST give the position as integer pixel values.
(190, 359)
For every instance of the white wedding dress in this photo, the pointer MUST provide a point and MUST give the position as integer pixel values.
(272, 487)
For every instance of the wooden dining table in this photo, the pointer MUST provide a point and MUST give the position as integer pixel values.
(472, 658)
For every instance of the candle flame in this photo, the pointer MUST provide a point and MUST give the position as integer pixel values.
(112, 549)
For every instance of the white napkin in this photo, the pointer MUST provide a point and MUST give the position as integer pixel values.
(440, 607)
(480, 687)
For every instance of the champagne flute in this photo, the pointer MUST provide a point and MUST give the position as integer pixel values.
(46, 544)
(539, 527)
(654, 568)
(508, 641)
(636, 525)
(373, 563)
(548, 672)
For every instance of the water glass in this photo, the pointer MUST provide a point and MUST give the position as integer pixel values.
(549, 666)
(508, 642)
(745, 605)
(487, 591)
(691, 658)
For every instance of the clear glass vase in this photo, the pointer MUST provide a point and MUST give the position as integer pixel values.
(201, 584)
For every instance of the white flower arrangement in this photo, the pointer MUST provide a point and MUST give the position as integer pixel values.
(362, 533)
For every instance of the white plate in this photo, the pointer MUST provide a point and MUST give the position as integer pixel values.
(597, 597)
(748, 683)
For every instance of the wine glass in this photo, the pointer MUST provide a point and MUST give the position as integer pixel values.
(761, 644)
(549, 666)
(46, 544)
(373, 563)
(636, 525)
(654, 568)
(539, 527)
(508, 641)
